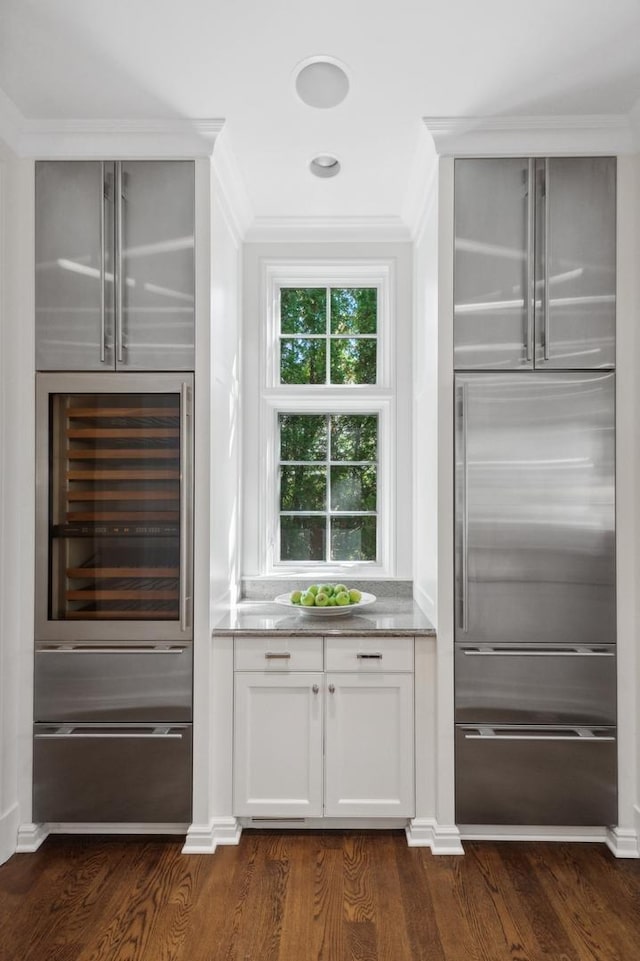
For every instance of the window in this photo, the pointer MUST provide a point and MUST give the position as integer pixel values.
(328, 487)
(328, 335)
(327, 418)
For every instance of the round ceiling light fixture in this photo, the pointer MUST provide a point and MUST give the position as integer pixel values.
(321, 82)
(324, 165)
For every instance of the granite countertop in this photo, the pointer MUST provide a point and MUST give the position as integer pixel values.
(391, 616)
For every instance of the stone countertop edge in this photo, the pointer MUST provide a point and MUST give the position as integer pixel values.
(392, 617)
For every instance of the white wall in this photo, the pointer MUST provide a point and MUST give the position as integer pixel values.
(16, 495)
(253, 470)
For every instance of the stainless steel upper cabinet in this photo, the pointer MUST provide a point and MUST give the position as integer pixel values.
(155, 269)
(535, 507)
(534, 266)
(115, 282)
(575, 303)
(74, 266)
(493, 293)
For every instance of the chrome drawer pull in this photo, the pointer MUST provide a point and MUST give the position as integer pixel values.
(371, 657)
(537, 652)
(70, 649)
(274, 656)
(315, 688)
(66, 733)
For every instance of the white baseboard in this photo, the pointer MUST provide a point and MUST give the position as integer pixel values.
(9, 822)
(623, 842)
(30, 837)
(204, 838)
(441, 838)
(325, 824)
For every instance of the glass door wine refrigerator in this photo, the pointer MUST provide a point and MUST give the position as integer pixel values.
(114, 507)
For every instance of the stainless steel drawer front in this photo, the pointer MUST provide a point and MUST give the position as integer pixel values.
(120, 773)
(551, 684)
(113, 683)
(535, 775)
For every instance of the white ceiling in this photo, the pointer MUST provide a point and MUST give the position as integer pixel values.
(236, 59)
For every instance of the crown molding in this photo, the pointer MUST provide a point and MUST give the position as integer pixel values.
(557, 133)
(106, 137)
(298, 229)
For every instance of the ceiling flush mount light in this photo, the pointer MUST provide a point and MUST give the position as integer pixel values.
(321, 82)
(324, 165)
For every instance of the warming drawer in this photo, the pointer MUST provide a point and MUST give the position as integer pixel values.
(535, 775)
(550, 684)
(112, 773)
(113, 682)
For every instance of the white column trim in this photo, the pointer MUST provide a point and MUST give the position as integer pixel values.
(30, 837)
(427, 833)
(204, 838)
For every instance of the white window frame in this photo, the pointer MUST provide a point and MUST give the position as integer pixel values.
(277, 398)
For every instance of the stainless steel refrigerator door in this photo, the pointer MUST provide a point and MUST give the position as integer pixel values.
(575, 310)
(529, 684)
(534, 517)
(519, 775)
(74, 256)
(113, 682)
(116, 773)
(493, 266)
(155, 279)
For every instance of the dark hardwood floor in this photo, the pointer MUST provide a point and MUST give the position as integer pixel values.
(361, 896)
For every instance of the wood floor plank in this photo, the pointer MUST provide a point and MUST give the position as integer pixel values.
(317, 896)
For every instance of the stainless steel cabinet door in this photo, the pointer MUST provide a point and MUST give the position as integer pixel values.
(535, 541)
(74, 266)
(519, 775)
(536, 684)
(493, 267)
(575, 262)
(113, 773)
(113, 682)
(155, 270)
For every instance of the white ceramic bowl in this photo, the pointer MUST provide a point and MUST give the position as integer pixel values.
(285, 601)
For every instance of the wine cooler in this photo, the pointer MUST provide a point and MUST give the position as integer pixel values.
(114, 516)
(113, 654)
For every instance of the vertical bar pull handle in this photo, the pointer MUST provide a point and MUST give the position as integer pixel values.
(118, 263)
(464, 511)
(545, 285)
(102, 255)
(185, 507)
(530, 282)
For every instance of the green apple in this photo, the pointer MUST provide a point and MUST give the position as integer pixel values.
(342, 599)
(341, 589)
(327, 589)
(295, 597)
(313, 589)
(307, 599)
(332, 601)
(355, 596)
(322, 599)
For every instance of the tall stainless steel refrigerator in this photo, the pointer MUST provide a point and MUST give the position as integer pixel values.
(535, 614)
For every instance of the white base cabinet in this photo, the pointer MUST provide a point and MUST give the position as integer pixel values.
(332, 743)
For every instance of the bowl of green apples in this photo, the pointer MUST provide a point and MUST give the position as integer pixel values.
(326, 600)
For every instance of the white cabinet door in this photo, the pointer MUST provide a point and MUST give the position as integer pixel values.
(369, 745)
(278, 745)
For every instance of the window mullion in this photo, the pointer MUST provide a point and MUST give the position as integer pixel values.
(327, 553)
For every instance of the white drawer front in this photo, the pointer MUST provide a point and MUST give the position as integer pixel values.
(278, 653)
(369, 654)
